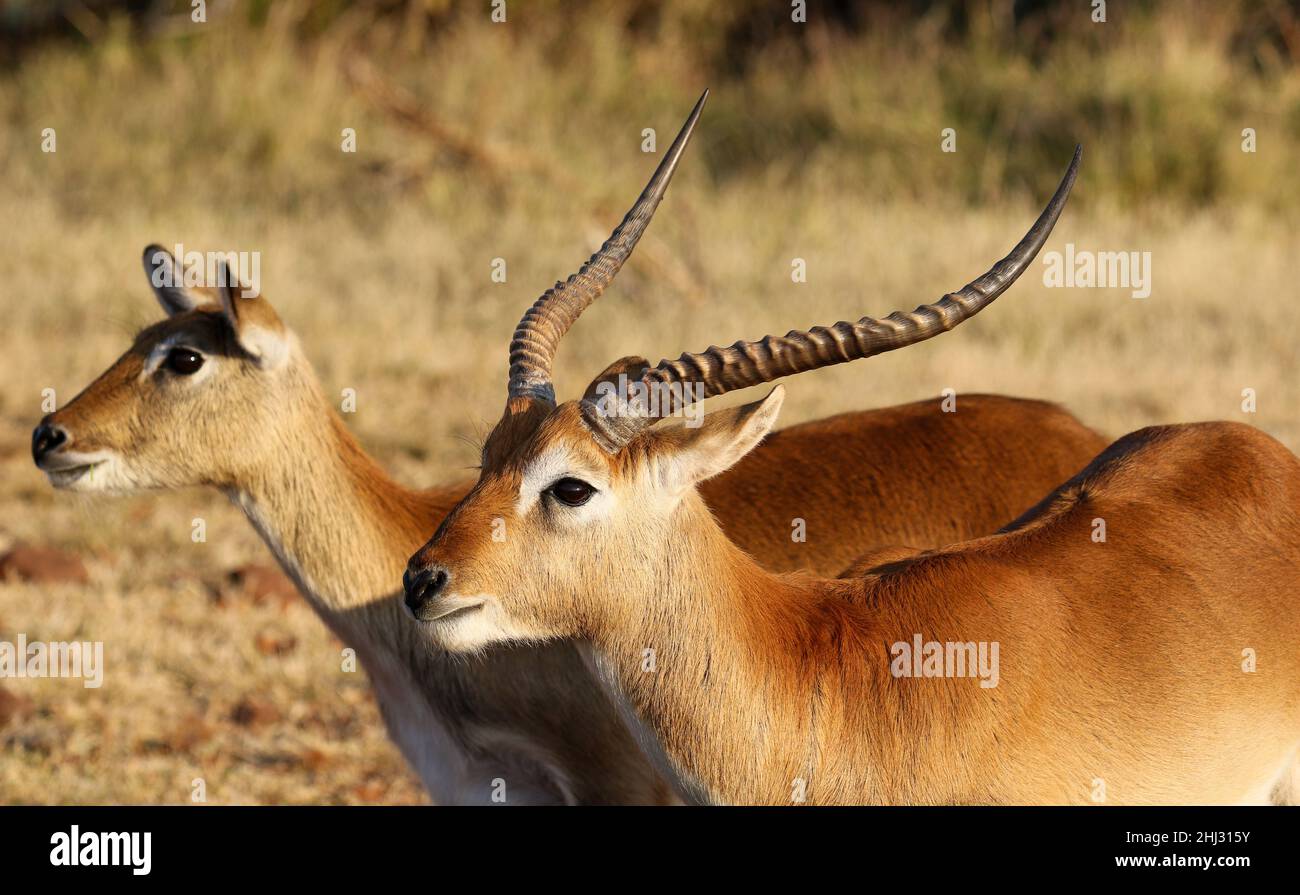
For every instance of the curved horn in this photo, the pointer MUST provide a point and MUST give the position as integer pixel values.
(532, 350)
(722, 370)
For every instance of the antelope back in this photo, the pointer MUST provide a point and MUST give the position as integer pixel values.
(816, 495)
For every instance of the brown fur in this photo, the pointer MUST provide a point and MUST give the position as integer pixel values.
(1120, 662)
(910, 474)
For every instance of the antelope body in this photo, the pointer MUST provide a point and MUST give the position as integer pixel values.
(1124, 664)
(1121, 663)
(220, 394)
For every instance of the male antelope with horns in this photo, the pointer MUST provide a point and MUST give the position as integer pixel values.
(221, 394)
(1121, 661)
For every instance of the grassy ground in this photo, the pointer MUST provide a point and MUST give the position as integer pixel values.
(522, 141)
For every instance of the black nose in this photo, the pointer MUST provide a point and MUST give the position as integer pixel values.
(422, 586)
(47, 439)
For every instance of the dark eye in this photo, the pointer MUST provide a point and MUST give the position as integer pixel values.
(572, 492)
(183, 361)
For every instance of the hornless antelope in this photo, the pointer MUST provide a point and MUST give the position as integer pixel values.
(221, 394)
(1117, 666)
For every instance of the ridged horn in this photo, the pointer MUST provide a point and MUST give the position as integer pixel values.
(532, 350)
(744, 364)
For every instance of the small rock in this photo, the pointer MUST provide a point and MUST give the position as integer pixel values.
(263, 584)
(269, 643)
(253, 711)
(369, 791)
(191, 732)
(314, 759)
(42, 565)
(12, 706)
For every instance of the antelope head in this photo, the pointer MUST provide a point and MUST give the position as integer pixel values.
(576, 496)
(195, 400)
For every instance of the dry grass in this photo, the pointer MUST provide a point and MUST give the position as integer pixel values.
(381, 262)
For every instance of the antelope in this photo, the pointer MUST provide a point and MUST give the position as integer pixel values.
(221, 394)
(1119, 662)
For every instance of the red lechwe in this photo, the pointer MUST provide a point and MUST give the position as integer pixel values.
(1040, 664)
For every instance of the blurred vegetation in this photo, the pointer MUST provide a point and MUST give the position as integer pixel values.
(855, 99)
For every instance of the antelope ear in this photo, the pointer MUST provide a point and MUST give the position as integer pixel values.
(254, 322)
(227, 288)
(719, 442)
(632, 366)
(168, 282)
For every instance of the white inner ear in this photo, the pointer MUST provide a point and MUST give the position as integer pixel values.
(720, 443)
(270, 348)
